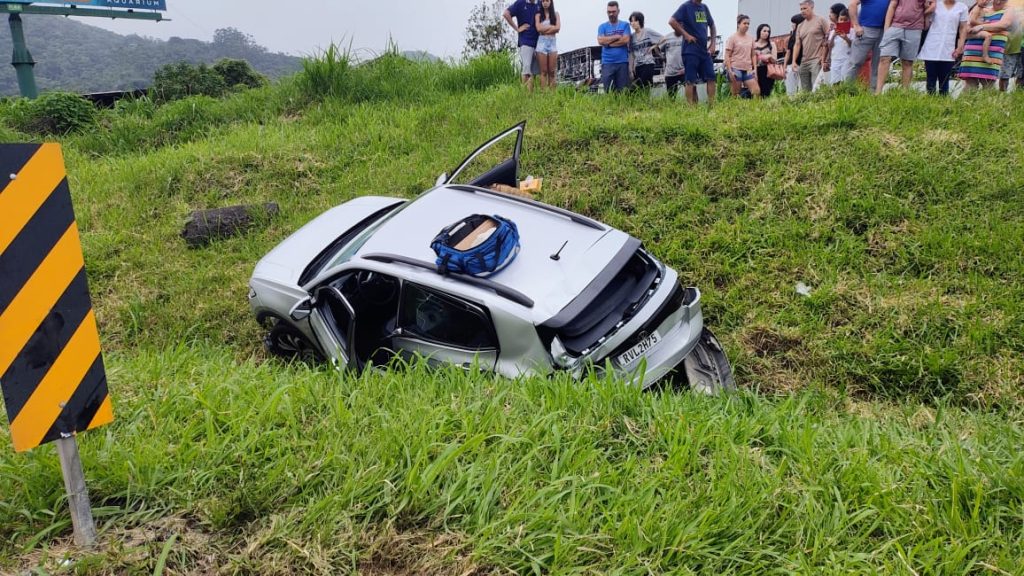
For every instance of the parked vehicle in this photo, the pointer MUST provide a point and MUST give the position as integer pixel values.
(359, 285)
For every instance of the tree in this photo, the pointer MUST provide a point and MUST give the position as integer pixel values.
(176, 81)
(487, 32)
(239, 73)
(234, 43)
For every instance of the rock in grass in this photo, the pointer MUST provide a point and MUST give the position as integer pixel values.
(205, 226)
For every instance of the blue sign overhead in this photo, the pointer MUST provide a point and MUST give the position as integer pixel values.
(131, 4)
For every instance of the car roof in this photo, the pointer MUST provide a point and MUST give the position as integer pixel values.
(551, 283)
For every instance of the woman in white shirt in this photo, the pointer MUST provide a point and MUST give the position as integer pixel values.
(941, 48)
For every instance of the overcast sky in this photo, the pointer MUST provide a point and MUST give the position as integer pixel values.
(303, 27)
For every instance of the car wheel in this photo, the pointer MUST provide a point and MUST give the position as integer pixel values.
(707, 368)
(286, 341)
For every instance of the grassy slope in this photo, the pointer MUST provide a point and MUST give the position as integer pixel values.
(886, 207)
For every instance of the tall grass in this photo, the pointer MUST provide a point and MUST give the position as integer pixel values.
(281, 470)
(333, 74)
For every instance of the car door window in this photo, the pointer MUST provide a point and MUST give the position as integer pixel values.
(495, 162)
(440, 318)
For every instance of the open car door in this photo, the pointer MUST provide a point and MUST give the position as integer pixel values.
(333, 321)
(495, 162)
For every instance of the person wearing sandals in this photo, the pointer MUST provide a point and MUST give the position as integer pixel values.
(740, 61)
(549, 23)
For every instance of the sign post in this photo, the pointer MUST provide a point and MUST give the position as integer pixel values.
(51, 369)
(22, 59)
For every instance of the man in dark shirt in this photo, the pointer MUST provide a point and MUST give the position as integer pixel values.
(525, 12)
(693, 20)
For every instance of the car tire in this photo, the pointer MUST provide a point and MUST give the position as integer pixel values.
(707, 368)
(287, 342)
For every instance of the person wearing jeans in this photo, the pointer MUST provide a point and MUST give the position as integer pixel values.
(613, 36)
(941, 48)
(868, 18)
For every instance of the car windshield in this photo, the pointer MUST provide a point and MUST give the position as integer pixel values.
(352, 247)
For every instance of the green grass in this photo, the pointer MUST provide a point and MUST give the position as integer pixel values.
(879, 426)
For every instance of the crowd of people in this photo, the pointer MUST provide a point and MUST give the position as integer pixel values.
(985, 39)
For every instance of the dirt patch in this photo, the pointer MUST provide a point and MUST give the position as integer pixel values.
(764, 342)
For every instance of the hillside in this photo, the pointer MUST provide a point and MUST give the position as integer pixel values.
(76, 57)
(877, 430)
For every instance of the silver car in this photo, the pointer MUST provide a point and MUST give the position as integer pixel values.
(358, 286)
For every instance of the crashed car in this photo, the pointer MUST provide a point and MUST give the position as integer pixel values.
(359, 285)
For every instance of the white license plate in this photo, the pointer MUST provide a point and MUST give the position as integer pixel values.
(630, 356)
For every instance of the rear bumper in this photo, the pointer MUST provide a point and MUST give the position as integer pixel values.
(680, 333)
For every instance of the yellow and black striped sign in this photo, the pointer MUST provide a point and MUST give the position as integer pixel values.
(51, 369)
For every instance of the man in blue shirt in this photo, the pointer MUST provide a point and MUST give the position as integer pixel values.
(868, 18)
(613, 36)
(525, 12)
(694, 22)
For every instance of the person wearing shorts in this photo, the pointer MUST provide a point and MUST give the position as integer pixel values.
(868, 19)
(904, 25)
(525, 14)
(1011, 67)
(741, 60)
(549, 23)
(613, 36)
(693, 20)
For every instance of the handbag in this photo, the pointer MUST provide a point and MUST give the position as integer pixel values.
(776, 71)
(478, 245)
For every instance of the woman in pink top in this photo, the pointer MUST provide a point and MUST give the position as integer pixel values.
(740, 58)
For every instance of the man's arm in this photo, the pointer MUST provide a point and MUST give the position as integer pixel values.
(712, 36)
(675, 25)
(853, 9)
(889, 14)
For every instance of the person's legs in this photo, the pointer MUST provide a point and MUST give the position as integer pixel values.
(907, 70)
(863, 47)
(707, 73)
(931, 72)
(622, 77)
(884, 64)
(606, 77)
(672, 85)
(528, 60)
(691, 93)
(806, 75)
(944, 70)
(734, 82)
(543, 58)
(752, 85)
(553, 68)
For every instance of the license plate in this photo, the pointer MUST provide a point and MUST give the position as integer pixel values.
(630, 356)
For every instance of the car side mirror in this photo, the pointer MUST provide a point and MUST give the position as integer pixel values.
(441, 180)
(302, 310)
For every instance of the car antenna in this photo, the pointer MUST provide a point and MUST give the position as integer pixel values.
(556, 256)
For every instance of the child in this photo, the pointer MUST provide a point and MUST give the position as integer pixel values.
(840, 42)
(980, 11)
(672, 48)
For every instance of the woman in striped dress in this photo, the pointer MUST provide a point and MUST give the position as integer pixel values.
(974, 71)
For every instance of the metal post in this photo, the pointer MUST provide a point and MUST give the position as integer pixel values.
(22, 59)
(78, 494)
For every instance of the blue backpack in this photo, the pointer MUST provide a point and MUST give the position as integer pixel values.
(487, 257)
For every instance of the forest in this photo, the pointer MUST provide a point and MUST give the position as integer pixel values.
(77, 57)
